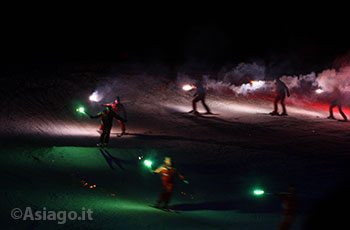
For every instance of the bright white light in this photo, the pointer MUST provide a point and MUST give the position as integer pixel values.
(187, 87)
(319, 91)
(95, 97)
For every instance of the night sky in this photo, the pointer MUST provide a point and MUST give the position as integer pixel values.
(302, 39)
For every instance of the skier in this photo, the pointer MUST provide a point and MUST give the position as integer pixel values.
(119, 109)
(199, 96)
(281, 90)
(107, 116)
(168, 172)
(337, 97)
(289, 205)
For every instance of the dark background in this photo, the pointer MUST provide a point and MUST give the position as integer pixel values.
(299, 38)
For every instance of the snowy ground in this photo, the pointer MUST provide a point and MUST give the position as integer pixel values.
(48, 149)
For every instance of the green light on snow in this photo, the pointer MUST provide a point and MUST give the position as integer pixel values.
(258, 192)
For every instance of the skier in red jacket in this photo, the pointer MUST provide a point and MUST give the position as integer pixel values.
(168, 172)
(119, 109)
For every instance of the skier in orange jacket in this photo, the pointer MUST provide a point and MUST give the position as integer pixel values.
(168, 172)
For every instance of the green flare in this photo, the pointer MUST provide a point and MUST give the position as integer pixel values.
(258, 192)
(148, 163)
(81, 110)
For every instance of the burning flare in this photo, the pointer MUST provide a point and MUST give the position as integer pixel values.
(187, 87)
(257, 84)
(80, 110)
(319, 91)
(253, 82)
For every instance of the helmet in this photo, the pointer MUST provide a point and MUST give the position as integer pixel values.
(167, 160)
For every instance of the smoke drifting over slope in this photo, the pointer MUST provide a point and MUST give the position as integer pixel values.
(248, 78)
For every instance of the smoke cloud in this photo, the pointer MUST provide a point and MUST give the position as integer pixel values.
(250, 77)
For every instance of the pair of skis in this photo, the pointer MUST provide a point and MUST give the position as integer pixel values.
(164, 209)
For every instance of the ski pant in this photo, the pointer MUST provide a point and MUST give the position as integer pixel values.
(280, 97)
(122, 125)
(202, 99)
(166, 193)
(106, 131)
(336, 104)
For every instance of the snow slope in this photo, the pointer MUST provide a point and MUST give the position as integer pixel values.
(48, 148)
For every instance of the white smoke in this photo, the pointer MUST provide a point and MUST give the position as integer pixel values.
(328, 79)
(243, 79)
(248, 78)
(297, 81)
(96, 96)
(252, 87)
(241, 71)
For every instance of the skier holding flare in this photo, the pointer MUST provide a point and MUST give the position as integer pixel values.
(107, 116)
(199, 95)
(168, 173)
